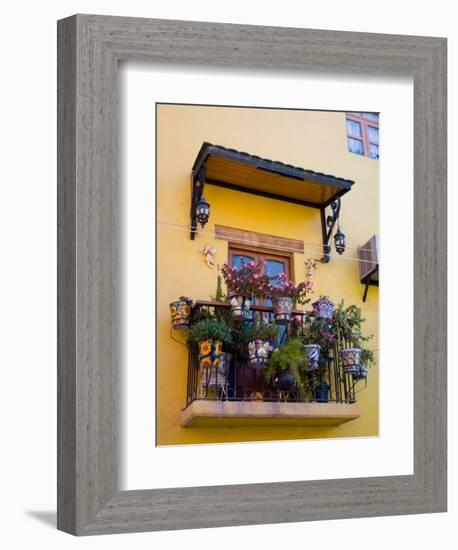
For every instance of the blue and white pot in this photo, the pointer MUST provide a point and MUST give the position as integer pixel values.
(313, 355)
(240, 306)
(259, 351)
(362, 373)
(323, 309)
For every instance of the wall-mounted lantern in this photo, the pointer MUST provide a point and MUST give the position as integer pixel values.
(202, 211)
(327, 227)
(200, 207)
(339, 241)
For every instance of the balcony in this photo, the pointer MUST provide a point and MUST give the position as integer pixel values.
(237, 394)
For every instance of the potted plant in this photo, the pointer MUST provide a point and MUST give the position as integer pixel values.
(219, 295)
(285, 295)
(348, 322)
(318, 336)
(321, 391)
(286, 366)
(367, 359)
(244, 284)
(209, 335)
(323, 308)
(180, 312)
(315, 384)
(260, 339)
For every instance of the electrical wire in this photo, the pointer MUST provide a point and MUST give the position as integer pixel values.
(319, 246)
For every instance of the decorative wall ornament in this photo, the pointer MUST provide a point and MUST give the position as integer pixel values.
(311, 266)
(209, 253)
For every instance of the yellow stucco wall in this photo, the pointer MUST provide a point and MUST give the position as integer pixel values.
(312, 140)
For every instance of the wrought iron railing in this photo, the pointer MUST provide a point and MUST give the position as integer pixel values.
(235, 380)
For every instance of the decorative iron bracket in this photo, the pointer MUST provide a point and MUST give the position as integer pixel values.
(368, 282)
(197, 189)
(327, 227)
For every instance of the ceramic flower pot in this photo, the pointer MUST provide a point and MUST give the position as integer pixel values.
(351, 360)
(313, 354)
(258, 352)
(209, 353)
(283, 307)
(284, 381)
(224, 363)
(180, 312)
(321, 393)
(362, 373)
(323, 309)
(240, 306)
(214, 378)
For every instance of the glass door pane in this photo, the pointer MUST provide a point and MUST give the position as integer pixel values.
(274, 268)
(237, 260)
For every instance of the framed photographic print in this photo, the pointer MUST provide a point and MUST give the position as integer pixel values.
(230, 199)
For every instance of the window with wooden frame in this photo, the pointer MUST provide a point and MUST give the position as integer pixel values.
(275, 262)
(363, 134)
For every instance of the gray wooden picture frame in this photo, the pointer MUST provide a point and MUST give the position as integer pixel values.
(89, 49)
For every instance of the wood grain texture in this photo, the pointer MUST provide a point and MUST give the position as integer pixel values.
(255, 239)
(66, 276)
(90, 47)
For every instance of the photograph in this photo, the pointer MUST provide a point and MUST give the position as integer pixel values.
(267, 274)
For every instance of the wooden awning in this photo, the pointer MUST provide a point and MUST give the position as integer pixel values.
(241, 171)
(368, 260)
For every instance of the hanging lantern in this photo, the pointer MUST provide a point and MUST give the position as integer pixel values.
(202, 211)
(339, 241)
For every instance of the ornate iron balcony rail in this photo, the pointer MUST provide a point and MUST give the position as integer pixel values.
(236, 380)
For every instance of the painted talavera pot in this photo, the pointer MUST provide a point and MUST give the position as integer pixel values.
(240, 305)
(258, 352)
(284, 380)
(313, 354)
(283, 307)
(362, 373)
(351, 358)
(209, 353)
(323, 309)
(180, 312)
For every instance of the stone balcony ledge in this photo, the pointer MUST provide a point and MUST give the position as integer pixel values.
(214, 413)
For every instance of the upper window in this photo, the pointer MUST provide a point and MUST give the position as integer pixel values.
(362, 134)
